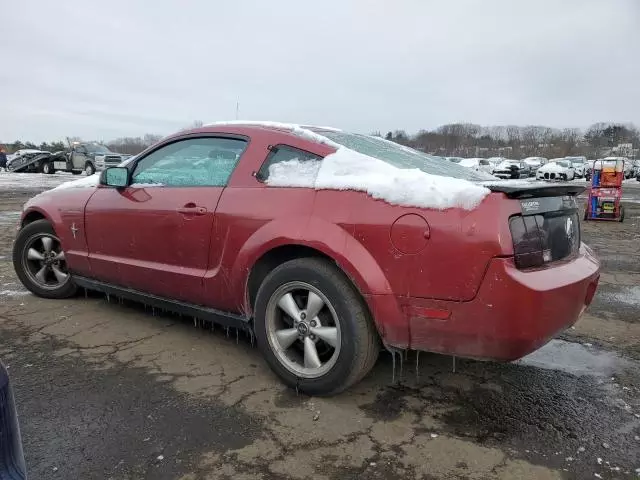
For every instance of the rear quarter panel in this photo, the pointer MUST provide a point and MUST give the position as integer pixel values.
(455, 256)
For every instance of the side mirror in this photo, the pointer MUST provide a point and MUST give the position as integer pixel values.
(115, 177)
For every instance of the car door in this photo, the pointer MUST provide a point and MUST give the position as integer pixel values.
(154, 235)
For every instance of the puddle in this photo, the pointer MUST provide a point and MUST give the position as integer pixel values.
(575, 359)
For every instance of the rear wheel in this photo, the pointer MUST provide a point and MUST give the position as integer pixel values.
(40, 263)
(47, 168)
(89, 169)
(313, 327)
(621, 219)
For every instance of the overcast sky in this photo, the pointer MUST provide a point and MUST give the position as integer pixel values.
(100, 70)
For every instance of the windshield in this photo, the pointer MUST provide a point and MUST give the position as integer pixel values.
(564, 163)
(401, 156)
(97, 148)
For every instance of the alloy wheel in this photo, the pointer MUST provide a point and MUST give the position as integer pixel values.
(303, 329)
(44, 261)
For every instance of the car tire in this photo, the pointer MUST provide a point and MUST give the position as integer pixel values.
(89, 169)
(47, 168)
(621, 219)
(47, 276)
(344, 312)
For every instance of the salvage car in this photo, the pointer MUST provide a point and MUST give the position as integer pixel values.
(325, 245)
(512, 169)
(556, 169)
(12, 466)
(535, 162)
(477, 164)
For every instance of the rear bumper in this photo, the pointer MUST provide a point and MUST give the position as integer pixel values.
(514, 312)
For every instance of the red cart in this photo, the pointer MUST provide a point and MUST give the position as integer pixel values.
(605, 192)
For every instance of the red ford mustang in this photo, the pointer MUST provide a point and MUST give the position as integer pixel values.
(325, 244)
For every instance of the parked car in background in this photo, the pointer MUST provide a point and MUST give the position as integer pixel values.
(628, 165)
(477, 164)
(260, 241)
(12, 465)
(535, 163)
(22, 153)
(579, 165)
(512, 169)
(556, 169)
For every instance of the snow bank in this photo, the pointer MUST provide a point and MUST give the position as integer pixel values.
(292, 127)
(349, 170)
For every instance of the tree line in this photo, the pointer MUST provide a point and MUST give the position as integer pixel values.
(471, 140)
(457, 139)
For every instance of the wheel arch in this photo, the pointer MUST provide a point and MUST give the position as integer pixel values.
(33, 215)
(268, 247)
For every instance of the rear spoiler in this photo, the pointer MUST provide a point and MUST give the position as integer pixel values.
(519, 189)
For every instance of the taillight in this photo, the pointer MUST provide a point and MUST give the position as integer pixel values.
(543, 238)
(527, 243)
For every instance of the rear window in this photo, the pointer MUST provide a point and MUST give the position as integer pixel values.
(401, 156)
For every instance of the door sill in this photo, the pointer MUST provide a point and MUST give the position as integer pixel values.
(219, 317)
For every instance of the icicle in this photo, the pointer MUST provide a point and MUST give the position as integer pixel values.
(86, 293)
(153, 311)
(195, 322)
(393, 366)
(454, 364)
(227, 332)
(417, 365)
(237, 336)
(108, 298)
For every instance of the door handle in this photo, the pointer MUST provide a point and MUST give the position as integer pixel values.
(192, 210)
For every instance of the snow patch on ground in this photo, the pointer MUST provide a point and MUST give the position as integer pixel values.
(9, 180)
(349, 170)
(626, 295)
(13, 293)
(292, 127)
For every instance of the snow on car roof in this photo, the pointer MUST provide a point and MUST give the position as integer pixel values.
(302, 131)
(347, 169)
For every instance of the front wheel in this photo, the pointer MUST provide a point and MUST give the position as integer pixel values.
(40, 263)
(313, 327)
(89, 169)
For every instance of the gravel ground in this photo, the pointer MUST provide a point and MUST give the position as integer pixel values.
(108, 390)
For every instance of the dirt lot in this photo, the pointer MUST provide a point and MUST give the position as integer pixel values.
(109, 390)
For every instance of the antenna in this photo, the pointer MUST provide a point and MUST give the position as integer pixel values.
(237, 108)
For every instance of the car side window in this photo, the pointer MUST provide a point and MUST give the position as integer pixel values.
(284, 153)
(194, 162)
